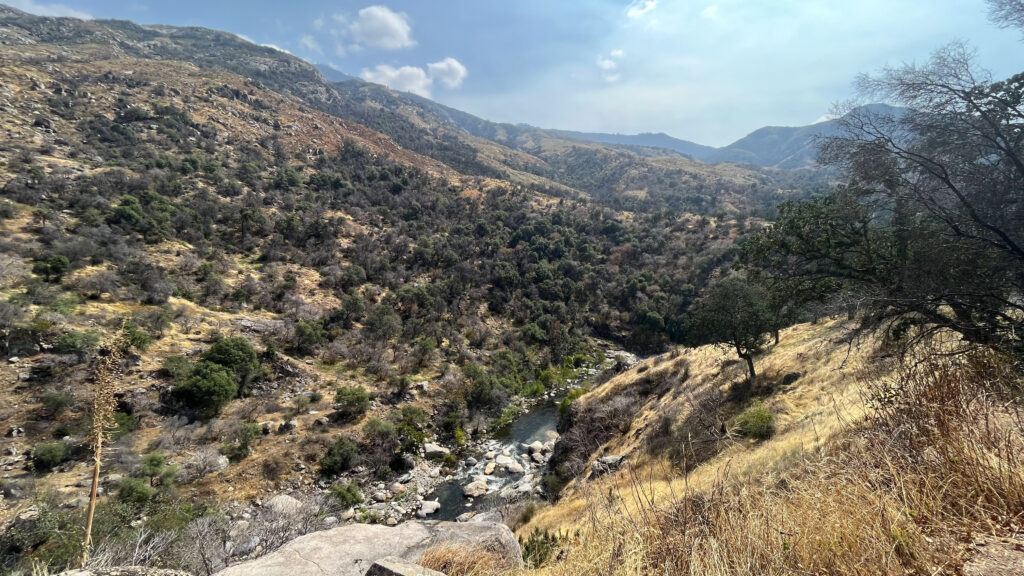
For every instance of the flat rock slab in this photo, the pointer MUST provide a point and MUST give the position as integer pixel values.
(125, 571)
(351, 550)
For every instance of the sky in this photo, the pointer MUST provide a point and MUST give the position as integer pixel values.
(710, 71)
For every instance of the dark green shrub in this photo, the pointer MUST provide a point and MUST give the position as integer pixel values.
(339, 457)
(207, 389)
(135, 491)
(346, 494)
(351, 402)
(46, 456)
(53, 268)
(237, 355)
(239, 442)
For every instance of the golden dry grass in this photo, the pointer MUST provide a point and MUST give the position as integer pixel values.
(937, 459)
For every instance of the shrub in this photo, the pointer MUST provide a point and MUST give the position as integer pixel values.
(81, 344)
(339, 457)
(238, 445)
(176, 367)
(208, 388)
(756, 422)
(136, 337)
(237, 355)
(46, 456)
(346, 494)
(56, 401)
(351, 402)
(135, 491)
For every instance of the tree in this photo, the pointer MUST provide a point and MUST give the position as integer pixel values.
(237, 355)
(351, 402)
(1007, 13)
(734, 312)
(209, 387)
(929, 232)
(339, 457)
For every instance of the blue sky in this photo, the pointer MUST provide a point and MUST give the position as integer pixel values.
(710, 71)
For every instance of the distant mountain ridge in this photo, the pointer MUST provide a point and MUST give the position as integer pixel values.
(783, 147)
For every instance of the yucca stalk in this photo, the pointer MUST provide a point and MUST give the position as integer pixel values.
(108, 367)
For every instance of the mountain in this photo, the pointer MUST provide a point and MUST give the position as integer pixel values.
(332, 74)
(307, 280)
(783, 147)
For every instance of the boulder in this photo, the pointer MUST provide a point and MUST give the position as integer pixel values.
(288, 426)
(431, 450)
(125, 571)
(537, 446)
(489, 469)
(397, 567)
(606, 464)
(428, 507)
(284, 505)
(475, 489)
(351, 550)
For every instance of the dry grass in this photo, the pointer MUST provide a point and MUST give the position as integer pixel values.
(937, 460)
(463, 561)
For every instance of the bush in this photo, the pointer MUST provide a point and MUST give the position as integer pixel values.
(137, 338)
(81, 344)
(351, 403)
(346, 494)
(339, 457)
(208, 388)
(46, 456)
(176, 367)
(56, 401)
(135, 491)
(237, 355)
(237, 447)
(756, 422)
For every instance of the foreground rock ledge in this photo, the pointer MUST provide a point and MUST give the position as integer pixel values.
(351, 550)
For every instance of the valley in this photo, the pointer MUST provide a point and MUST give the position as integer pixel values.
(259, 316)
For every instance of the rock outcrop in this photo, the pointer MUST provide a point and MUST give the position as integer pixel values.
(351, 550)
(125, 571)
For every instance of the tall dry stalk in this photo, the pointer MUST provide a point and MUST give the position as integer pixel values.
(103, 404)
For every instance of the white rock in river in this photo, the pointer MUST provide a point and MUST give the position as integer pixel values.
(431, 450)
(428, 507)
(475, 489)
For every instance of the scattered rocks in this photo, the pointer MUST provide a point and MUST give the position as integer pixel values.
(288, 426)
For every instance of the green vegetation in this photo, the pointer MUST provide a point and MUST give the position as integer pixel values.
(351, 402)
(207, 389)
(339, 458)
(346, 494)
(47, 456)
(757, 422)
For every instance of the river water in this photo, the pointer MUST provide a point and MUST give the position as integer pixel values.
(539, 424)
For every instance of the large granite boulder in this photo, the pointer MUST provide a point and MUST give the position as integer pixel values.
(125, 571)
(351, 550)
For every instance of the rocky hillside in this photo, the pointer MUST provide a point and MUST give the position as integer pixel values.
(302, 301)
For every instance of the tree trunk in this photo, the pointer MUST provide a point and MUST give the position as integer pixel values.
(97, 455)
(775, 334)
(750, 366)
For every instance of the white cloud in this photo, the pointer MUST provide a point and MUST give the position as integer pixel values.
(449, 72)
(637, 8)
(318, 24)
(609, 65)
(380, 27)
(39, 9)
(309, 43)
(711, 12)
(275, 47)
(406, 79)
